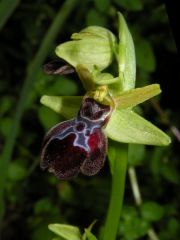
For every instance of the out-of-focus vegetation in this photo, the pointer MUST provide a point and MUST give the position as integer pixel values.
(33, 198)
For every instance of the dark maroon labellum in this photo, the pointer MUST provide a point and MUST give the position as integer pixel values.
(77, 145)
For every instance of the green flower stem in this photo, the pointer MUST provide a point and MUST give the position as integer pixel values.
(117, 193)
(31, 77)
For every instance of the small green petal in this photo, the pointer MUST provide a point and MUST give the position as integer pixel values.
(66, 231)
(89, 235)
(125, 57)
(136, 96)
(128, 127)
(67, 106)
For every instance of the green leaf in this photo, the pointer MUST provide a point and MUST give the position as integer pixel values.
(129, 212)
(67, 106)
(125, 57)
(128, 127)
(131, 225)
(68, 232)
(87, 232)
(136, 96)
(133, 228)
(170, 230)
(135, 5)
(89, 235)
(152, 211)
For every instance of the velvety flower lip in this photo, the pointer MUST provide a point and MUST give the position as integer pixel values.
(77, 145)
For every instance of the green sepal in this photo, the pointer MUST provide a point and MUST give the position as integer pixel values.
(86, 77)
(94, 32)
(128, 127)
(67, 106)
(91, 80)
(93, 46)
(88, 235)
(66, 231)
(125, 58)
(136, 96)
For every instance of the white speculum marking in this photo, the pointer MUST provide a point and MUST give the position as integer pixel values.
(86, 128)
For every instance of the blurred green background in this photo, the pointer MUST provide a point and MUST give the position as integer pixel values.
(33, 198)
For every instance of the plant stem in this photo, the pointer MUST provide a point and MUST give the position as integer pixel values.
(7, 7)
(138, 199)
(31, 77)
(117, 193)
(135, 186)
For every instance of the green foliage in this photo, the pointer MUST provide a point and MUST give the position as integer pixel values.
(135, 5)
(16, 171)
(35, 199)
(89, 235)
(152, 211)
(132, 226)
(66, 231)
